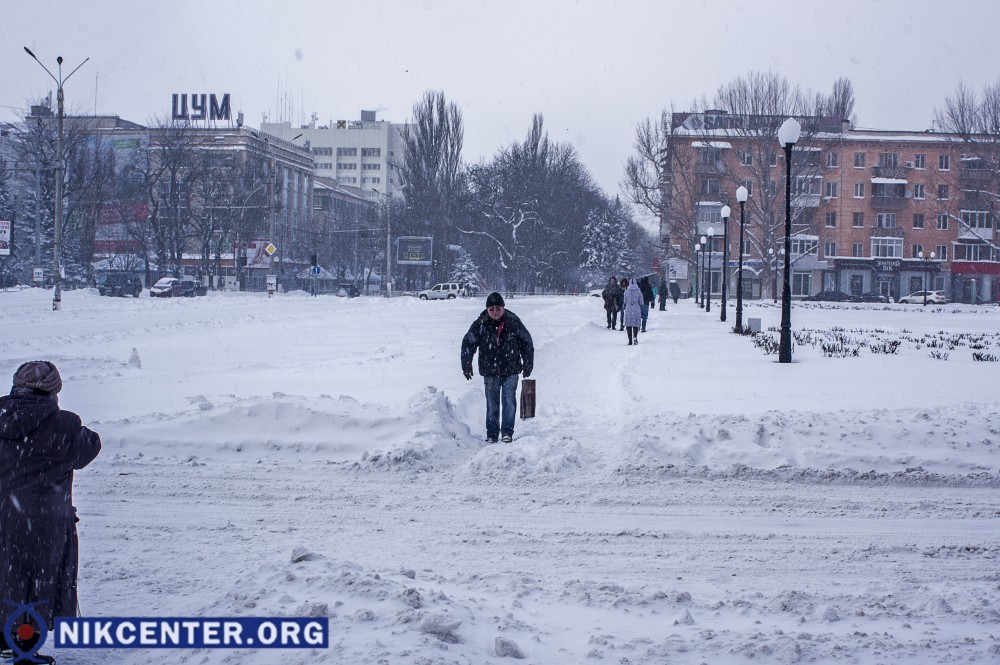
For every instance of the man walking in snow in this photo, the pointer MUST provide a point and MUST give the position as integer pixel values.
(505, 351)
(40, 447)
(612, 296)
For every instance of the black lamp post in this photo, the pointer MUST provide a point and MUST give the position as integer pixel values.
(725, 212)
(708, 271)
(741, 196)
(701, 275)
(927, 273)
(788, 134)
(57, 233)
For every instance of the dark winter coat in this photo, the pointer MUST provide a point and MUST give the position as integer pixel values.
(40, 446)
(612, 295)
(647, 292)
(505, 346)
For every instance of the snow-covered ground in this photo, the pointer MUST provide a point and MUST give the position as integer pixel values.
(686, 500)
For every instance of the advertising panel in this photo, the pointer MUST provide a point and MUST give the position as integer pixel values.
(414, 251)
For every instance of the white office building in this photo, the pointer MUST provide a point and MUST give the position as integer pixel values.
(362, 153)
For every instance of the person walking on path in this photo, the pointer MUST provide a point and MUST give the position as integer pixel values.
(647, 299)
(612, 301)
(675, 291)
(663, 295)
(505, 351)
(633, 312)
(40, 447)
(621, 302)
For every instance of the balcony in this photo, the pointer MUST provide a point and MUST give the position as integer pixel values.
(805, 200)
(888, 203)
(883, 232)
(976, 178)
(718, 166)
(895, 172)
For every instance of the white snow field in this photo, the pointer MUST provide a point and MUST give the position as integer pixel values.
(686, 500)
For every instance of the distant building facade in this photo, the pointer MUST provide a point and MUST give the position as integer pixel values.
(869, 207)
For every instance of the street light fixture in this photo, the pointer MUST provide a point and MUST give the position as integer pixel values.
(701, 274)
(708, 271)
(57, 234)
(725, 212)
(388, 244)
(788, 135)
(927, 272)
(741, 195)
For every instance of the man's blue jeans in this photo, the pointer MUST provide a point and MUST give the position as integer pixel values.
(498, 389)
(644, 310)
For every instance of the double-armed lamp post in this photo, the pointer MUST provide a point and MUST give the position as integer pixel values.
(788, 135)
(57, 233)
(741, 195)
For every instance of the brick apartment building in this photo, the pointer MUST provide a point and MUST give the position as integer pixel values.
(869, 207)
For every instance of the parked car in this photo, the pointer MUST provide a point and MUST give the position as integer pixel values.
(918, 298)
(828, 296)
(190, 289)
(346, 290)
(445, 291)
(121, 284)
(869, 297)
(166, 287)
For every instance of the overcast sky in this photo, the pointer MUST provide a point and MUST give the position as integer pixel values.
(593, 69)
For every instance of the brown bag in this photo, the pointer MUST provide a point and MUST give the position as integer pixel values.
(527, 398)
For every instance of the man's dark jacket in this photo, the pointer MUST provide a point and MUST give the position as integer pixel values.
(505, 346)
(612, 295)
(647, 291)
(40, 446)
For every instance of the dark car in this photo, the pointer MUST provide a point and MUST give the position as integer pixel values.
(121, 284)
(191, 289)
(346, 290)
(869, 297)
(828, 296)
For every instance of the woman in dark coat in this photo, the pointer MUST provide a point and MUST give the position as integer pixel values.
(40, 447)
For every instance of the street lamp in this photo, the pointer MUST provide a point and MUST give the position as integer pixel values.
(788, 135)
(57, 234)
(927, 273)
(701, 275)
(388, 244)
(725, 212)
(708, 271)
(741, 195)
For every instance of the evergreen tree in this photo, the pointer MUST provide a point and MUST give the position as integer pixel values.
(464, 270)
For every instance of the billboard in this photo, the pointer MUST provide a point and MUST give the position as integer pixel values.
(414, 251)
(5, 237)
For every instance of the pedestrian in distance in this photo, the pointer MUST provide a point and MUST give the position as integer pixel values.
(648, 298)
(505, 351)
(675, 291)
(41, 446)
(612, 301)
(621, 301)
(633, 312)
(662, 294)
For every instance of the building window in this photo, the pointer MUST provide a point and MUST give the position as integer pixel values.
(976, 219)
(886, 220)
(710, 186)
(772, 187)
(372, 181)
(323, 152)
(371, 167)
(920, 161)
(942, 192)
(859, 160)
(831, 190)
(858, 220)
(918, 191)
(888, 159)
(709, 214)
(804, 246)
(915, 251)
(857, 250)
(347, 152)
(801, 284)
(973, 252)
(918, 220)
(831, 159)
(371, 152)
(944, 162)
(772, 159)
(807, 185)
(942, 252)
(942, 222)
(347, 180)
(887, 247)
(859, 190)
(746, 247)
(830, 219)
(829, 249)
(746, 158)
(347, 166)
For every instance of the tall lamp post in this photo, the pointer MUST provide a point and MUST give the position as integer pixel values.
(725, 212)
(388, 244)
(927, 272)
(788, 135)
(701, 275)
(708, 271)
(741, 196)
(57, 234)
